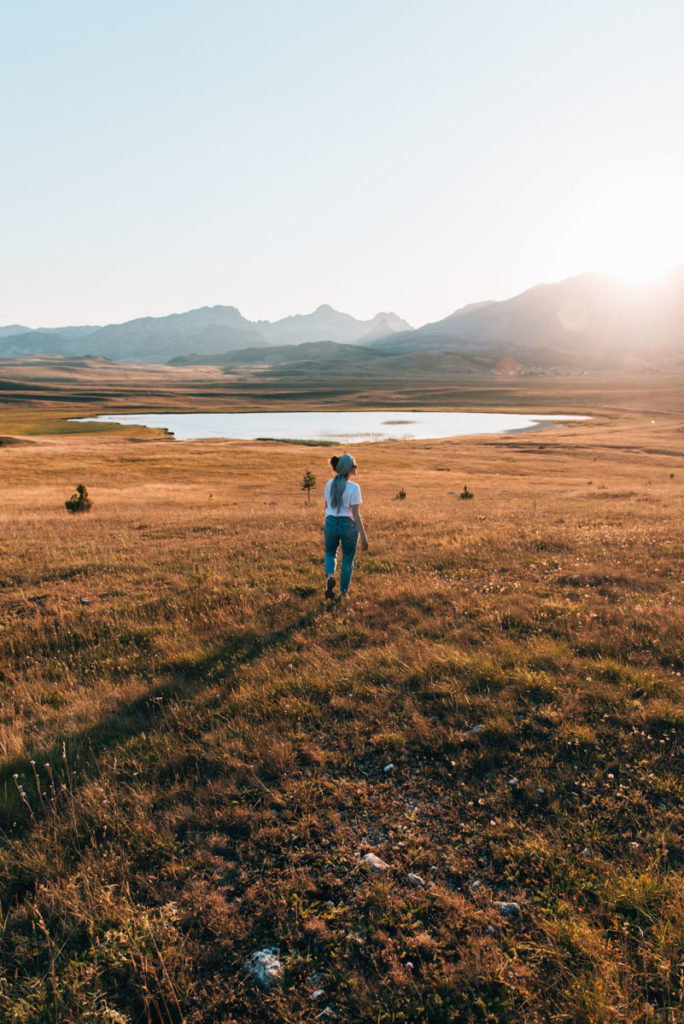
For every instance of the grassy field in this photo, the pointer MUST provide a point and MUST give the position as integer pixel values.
(194, 749)
(39, 393)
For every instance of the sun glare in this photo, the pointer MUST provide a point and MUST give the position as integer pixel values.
(637, 236)
(645, 264)
(642, 253)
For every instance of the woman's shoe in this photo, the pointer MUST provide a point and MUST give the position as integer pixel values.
(330, 588)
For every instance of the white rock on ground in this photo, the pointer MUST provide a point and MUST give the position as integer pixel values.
(264, 967)
(415, 880)
(374, 863)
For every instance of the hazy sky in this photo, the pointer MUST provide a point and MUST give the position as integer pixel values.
(375, 154)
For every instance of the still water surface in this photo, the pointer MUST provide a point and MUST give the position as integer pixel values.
(343, 427)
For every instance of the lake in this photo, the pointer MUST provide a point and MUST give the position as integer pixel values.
(341, 427)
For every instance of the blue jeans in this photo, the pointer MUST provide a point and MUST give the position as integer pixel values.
(340, 529)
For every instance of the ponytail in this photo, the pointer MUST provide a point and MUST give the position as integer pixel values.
(342, 466)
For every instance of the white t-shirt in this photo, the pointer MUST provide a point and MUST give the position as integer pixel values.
(351, 495)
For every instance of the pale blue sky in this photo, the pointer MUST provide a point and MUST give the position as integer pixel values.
(375, 155)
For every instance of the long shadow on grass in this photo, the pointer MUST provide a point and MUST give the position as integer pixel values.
(132, 718)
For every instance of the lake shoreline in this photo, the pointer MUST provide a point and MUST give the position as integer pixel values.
(322, 427)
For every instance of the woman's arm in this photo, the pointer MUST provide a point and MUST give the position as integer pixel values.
(360, 527)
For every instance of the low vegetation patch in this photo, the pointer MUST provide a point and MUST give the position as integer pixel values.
(79, 502)
(197, 752)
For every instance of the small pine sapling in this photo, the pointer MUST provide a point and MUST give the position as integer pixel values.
(79, 502)
(401, 494)
(465, 493)
(308, 481)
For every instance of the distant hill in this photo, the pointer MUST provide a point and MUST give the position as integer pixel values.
(17, 341)
(211, 330)
(327, 324)
(158, 339)
(592, 319)
(14, 330)
(583, 322)
(279, 355)
(313, 360)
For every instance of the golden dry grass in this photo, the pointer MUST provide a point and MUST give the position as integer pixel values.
(216, 737)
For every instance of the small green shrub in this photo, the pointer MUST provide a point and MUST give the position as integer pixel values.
(465, 493)
(308, 481)
(79, 502)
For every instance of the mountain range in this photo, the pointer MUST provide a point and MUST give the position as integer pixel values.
(585, 321)
(210, 331)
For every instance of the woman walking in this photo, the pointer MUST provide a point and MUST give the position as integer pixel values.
(343, 523)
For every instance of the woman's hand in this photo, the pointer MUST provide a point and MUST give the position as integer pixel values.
(356, 516)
